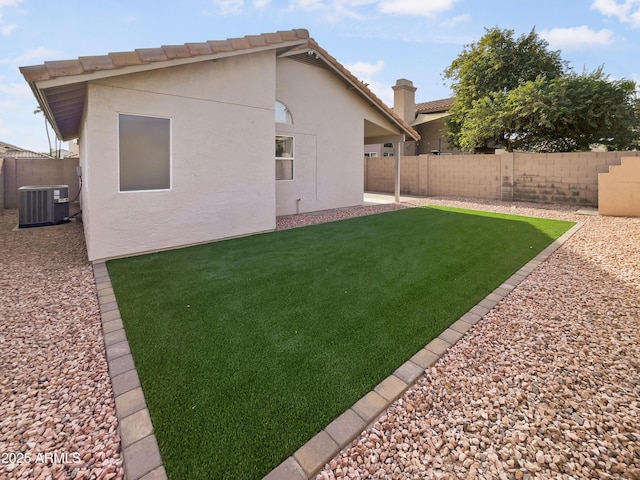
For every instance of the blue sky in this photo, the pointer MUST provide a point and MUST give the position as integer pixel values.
(378, 40)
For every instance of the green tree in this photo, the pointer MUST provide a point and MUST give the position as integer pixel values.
(517, 94)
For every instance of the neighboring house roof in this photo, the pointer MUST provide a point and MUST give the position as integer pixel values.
(428, 117)
(435, 106)
(60, 86)
(8, 150)
(429, 111)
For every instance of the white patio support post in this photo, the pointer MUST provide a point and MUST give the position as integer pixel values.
(397, 152)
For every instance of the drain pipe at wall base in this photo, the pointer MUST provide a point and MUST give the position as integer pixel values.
(298, 206)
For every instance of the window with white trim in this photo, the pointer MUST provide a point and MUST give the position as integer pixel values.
(284, 157)
(144, 148)
(283, 115)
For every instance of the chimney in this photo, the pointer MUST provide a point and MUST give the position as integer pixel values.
(404, 100)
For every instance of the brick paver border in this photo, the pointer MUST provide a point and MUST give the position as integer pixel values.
(309, 459)
(141, 454)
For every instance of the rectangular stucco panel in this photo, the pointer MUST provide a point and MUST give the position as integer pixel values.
(222, 173)
(328, 125)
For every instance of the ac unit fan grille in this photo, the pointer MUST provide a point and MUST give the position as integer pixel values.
(46, 205)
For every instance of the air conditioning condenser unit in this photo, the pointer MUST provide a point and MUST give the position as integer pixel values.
(43, 205)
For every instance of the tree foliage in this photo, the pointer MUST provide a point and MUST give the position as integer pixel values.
(517, 94)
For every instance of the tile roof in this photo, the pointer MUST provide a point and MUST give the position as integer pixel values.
(8, 150)
(60, 86)
(143, 56)
(435, 106)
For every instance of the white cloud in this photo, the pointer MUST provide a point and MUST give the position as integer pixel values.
(415, 7)
(229, 7)
(4, 131)
(364, 9)
(383, 91)
(14, 90)
(307, 4)
(452, 22)
(627, 11)
(365, 70)
(261, 3)
(38, 54)
(577, 37)
(6, 30)
(8, 105)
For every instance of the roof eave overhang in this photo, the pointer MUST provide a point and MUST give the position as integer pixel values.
(354, 84)
(406, 130)
(40, 88)
(115, 72)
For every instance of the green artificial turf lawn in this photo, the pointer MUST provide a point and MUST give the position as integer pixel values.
(247, 348)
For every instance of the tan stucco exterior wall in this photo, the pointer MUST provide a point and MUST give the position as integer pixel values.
(222, 171)
(328, 131)
(619, 189)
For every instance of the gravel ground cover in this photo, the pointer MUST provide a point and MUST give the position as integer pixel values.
(57, 413)
(545, 386)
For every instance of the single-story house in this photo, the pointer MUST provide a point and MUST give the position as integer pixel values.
(191, 143)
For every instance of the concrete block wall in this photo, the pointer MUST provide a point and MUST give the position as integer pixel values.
(1, 184)
(476, 176)
(379, 174)
(38, 171)
(619, 192)
(564, 178)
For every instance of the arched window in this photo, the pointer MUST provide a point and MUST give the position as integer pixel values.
(283, 115)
